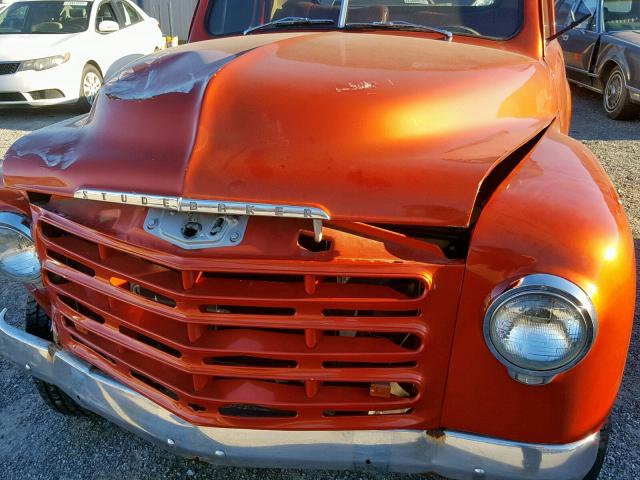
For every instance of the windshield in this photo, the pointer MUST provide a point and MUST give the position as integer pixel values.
(621, 15)
(45, 17)
(496, 19)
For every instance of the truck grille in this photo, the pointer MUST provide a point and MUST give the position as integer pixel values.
(313, 347)
(9, 68)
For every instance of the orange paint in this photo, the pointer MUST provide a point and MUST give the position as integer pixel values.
(396, 136)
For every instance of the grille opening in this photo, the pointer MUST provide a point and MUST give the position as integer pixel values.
(407, 287)
(254, 411)
(292, 383)
(39, 198)
(155, 385)
(247, 310)
(55, 279)
(81, 309)
(307, 241)
(405, 340)
(258, 277)
(369, 364)
(51, 231)
(49, 94)
(248, 361)
(398, 390)
(219, 328)
(150, 342)
(336, 312)
(149, 295)
(365, 413)
(71, 326)
(69, 262)
(11, 96)
(196, 408)
(453, 241)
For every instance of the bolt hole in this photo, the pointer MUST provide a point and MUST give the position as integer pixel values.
(191, 229)
(217, 227)
(368, 462)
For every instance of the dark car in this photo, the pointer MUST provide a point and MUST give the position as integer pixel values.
(603, 52)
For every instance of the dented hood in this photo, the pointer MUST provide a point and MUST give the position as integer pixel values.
(369, 127)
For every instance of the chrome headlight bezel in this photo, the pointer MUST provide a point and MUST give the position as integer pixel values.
(18, 224)
(552, 286)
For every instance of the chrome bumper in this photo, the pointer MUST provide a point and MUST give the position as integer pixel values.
(451, 454)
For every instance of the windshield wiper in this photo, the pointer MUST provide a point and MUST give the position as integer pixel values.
(290, 21)
(400, 25)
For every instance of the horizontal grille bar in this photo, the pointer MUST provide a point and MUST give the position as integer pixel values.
(227, 344)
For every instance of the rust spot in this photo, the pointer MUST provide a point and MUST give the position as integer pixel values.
(437, 435)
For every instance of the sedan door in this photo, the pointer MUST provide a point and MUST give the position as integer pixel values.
(143, 35)
(579, 44)
(109, 47)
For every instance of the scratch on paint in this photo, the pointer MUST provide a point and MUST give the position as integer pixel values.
(355, 86)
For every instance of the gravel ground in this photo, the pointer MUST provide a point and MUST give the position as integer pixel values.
(37, 443)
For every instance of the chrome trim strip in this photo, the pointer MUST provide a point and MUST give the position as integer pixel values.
(584, 85)
(452, 454)
(220, 207)
(580, 70)
(554, 286)
(344, 8)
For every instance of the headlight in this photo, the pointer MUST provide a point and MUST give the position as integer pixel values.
(543, 326)
(18, 257)
(44, 63)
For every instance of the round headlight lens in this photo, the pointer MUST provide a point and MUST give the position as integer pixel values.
(18, 257)
(538, 331)
(542, 327)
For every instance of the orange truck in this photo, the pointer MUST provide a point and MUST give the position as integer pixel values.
(331, 234)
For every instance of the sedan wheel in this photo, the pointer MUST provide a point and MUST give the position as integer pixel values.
(89, 86)
(616, 101)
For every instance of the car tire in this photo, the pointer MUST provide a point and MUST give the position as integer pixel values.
(90, 84)
(594, 473)
(38, 323)
(616, 99)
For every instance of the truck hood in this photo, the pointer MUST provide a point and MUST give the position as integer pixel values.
(20, 47)
(381, 128)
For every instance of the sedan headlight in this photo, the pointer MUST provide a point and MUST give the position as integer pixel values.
(541, 327)
(18, 257)
(44, 63)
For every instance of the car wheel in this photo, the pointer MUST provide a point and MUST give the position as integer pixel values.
(38, 323)
(616, 100)
(90, 85)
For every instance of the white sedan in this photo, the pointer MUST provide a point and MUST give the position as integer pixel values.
(54, 52)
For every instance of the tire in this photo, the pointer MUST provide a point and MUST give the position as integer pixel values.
(594, 473)
(616, 100)
(38, 323)
(90, 84)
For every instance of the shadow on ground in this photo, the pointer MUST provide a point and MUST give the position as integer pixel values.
(30, 119)
(589, 122)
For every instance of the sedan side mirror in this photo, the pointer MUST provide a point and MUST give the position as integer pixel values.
(108, 26)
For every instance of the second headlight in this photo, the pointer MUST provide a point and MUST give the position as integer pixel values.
(543, 326)
(46, 63)
(18, 256)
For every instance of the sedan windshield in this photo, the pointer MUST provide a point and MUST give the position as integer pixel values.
(496, 19)
(45, 17)
(621, 15)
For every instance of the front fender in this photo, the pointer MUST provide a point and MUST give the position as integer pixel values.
(627, 57)
(556, 213)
